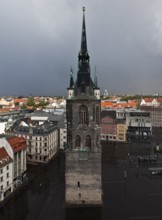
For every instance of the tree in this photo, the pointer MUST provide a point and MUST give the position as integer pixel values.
(31, 102)
(20, 97)
(23, 106)
(16, 103)
(42, 103)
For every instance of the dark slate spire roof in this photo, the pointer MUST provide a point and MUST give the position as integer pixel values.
(84, 83)
(83, 38)
(71, 79)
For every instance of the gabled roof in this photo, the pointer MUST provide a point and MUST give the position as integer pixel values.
(148, 99)
(159, 99)
(17, 143)
(4, 157)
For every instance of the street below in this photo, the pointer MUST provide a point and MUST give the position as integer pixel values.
(130, 192)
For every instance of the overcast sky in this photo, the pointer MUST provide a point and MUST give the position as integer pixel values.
(40, 40)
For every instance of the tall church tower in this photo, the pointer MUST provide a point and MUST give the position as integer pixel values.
(83, 154)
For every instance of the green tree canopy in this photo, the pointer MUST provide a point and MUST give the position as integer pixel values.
(30, 101)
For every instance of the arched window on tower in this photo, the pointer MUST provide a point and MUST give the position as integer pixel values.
(88, 141)
(97, 115)
(78, 141)
(68, 141)
(83, 115)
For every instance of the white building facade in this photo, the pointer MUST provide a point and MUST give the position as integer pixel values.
(6, 174)
(139, 125)
(12, 164)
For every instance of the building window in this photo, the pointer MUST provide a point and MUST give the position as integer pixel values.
(68, 141)
(7, 167)
(7, 175)
(83, 115)
(1, 171)
(78, 141)
(88, 141)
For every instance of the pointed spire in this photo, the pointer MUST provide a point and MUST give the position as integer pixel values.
(84, 83)
(83, 56)
(84, 38)
(71, 78)
(95, 79)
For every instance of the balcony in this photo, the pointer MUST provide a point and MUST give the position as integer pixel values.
(44, 153)
(31, 153)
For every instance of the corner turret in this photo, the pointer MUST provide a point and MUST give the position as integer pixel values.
(70, 90)
(96, 88)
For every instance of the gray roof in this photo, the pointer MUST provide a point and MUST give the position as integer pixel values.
(51, 122)
(111, 114)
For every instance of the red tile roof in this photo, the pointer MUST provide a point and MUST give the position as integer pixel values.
(15, 108)
(4, 109)
(30, 107)
(17, 143)
(20, 100)
(4, 157)
(159, 99)
(148, 99)
(130, 104)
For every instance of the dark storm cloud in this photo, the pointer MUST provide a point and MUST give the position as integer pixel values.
(40, 40)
